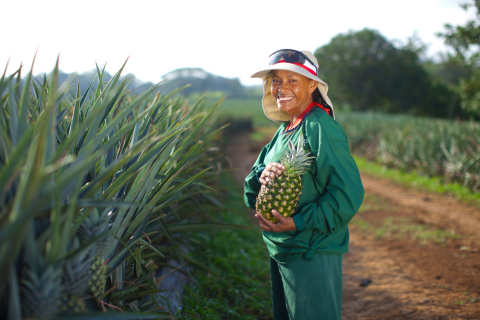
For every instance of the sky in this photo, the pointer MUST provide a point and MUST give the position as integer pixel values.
(228, 38)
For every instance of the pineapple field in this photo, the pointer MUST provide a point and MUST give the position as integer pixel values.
(99, 192)
(431, 147)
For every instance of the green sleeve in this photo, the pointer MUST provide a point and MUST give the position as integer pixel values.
(252, 183)
(336, 178)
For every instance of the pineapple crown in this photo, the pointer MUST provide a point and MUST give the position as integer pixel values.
(94, 225)
(296, 161)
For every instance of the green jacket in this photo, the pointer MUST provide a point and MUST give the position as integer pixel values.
(332, 191)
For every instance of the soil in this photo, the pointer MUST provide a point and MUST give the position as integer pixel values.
(413, 254)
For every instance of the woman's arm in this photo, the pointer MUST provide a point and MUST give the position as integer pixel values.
(337, 171)
(252, 182)
(251, 188)
(336, 177)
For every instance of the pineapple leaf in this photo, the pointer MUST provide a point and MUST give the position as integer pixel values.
(14, 311)
(204, 226)
(116, 316)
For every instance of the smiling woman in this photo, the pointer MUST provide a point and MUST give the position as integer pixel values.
(306, 244)
(292, 91)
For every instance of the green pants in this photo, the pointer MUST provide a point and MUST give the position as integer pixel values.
(307, 290)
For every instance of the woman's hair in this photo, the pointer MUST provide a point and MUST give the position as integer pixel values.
(317, 97)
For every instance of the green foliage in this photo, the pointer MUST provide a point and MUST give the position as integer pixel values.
(370, 201)
(465, 40)
(241, 290)
(367, 72)
(90, 178)
(449, 71)
(469, 90)
(413, 180)
(462, 38)
(432, 147)
(262, 134)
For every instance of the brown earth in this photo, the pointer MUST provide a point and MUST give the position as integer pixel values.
(417, 252)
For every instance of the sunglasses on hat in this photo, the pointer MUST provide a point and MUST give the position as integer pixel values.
(294, 57)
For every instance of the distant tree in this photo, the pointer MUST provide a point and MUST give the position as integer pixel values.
(448, 70)
(201, 81)
(135, 86)
(465, 40)
(367, 72)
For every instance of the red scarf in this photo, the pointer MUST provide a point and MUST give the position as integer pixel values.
(305, 113)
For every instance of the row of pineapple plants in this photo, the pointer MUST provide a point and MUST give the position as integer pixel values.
(433, 147)
(95, 188)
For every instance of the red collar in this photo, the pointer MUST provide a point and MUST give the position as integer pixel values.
(327, 110)
(305, 113)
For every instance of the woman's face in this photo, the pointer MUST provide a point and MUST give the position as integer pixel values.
(292, 91)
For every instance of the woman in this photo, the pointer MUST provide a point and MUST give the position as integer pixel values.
(306, 249)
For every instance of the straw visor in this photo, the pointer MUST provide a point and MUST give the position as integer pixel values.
(269, 104)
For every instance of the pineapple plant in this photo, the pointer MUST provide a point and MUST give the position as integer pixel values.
(81, 177)
(283, 191)
(95, 225)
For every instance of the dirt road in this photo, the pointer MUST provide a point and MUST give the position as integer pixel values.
(415, 253)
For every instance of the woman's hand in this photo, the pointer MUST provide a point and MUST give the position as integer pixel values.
(272, 169)
(283, 224)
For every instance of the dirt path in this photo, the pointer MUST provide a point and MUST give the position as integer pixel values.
(419, 250)
(439, 210)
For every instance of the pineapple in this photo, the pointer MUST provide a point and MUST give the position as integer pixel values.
(283, 192)
(72, 304)
(98, 278)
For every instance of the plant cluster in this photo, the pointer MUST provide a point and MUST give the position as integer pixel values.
(95, 189)
(432, 147)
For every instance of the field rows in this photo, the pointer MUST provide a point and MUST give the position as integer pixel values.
(432, 147)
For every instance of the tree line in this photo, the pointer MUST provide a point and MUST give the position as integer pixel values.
(366, 71)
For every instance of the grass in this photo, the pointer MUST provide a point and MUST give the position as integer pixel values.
(464, 302)
(373, 202)
(241, 290)
(413, 180)
(263, 134)
(400, 228)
